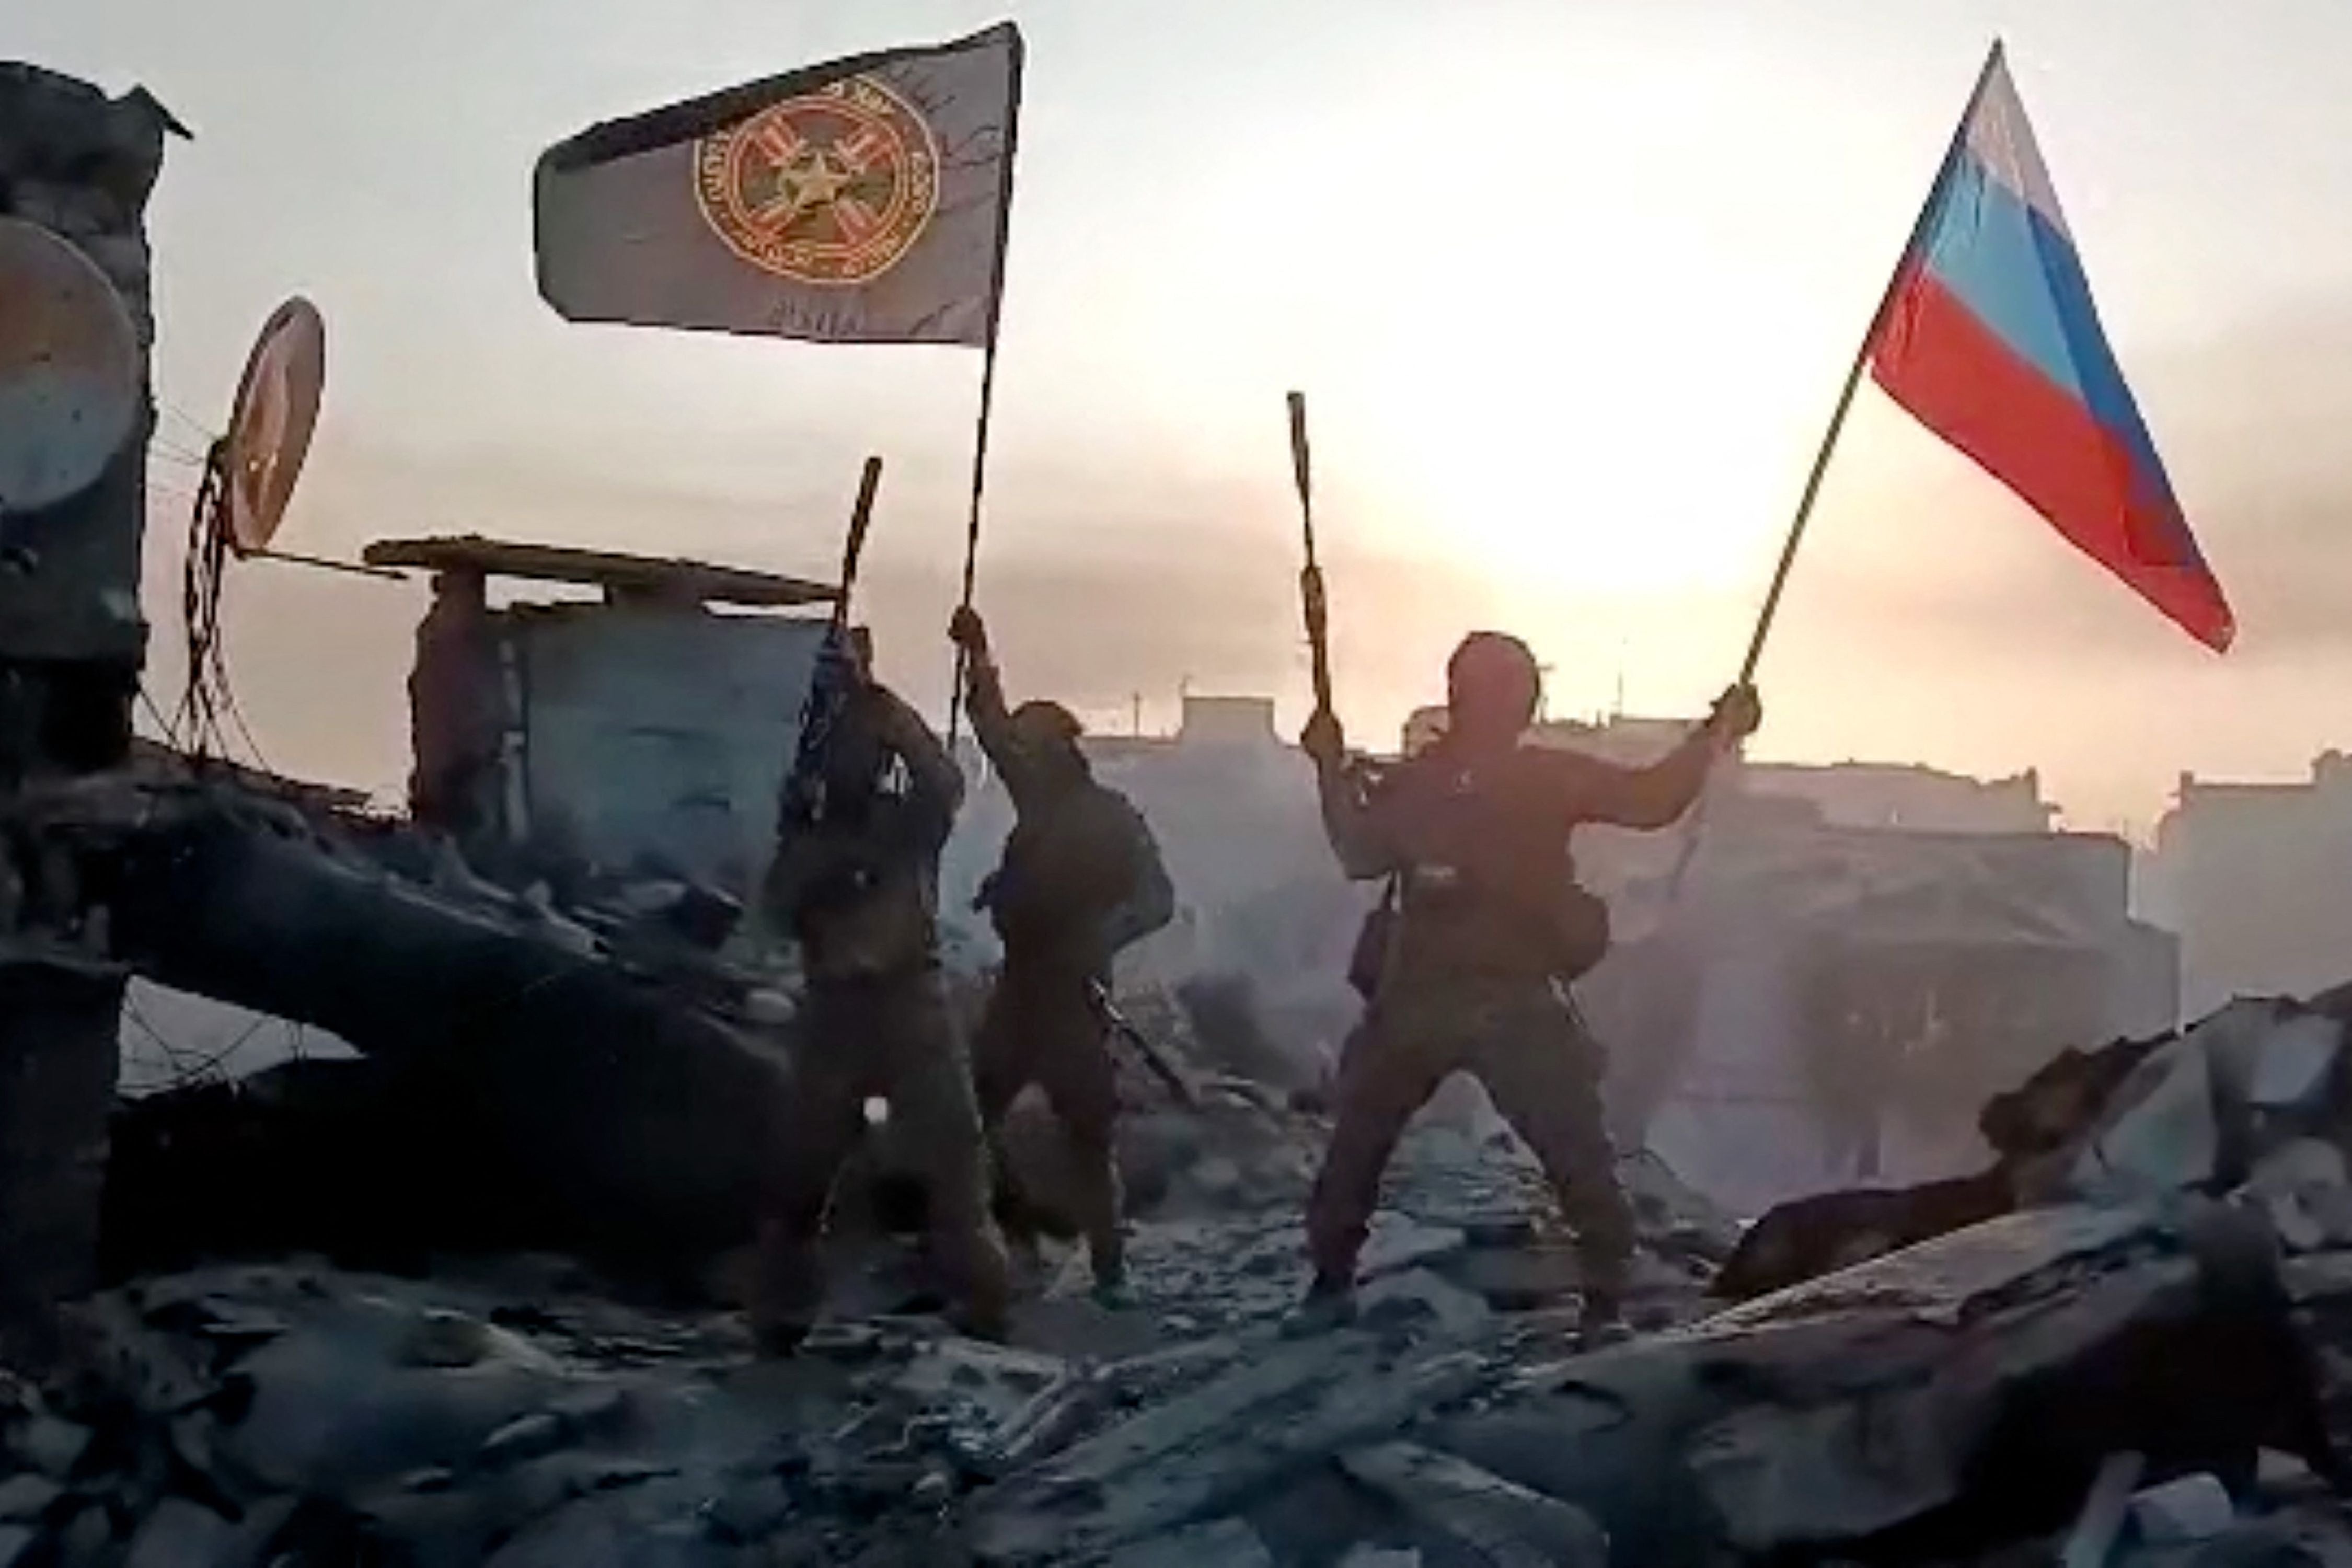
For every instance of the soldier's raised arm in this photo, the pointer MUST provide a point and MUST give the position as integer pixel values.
(1657, 795)
(1349, 821)
(991, 722)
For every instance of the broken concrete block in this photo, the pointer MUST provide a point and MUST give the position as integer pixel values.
(1216, 1405)
(524, 1438)
(2292, 1063)
(180, 1534)
(2299, 1230)
(2276, 1473)
(1520, 1280)
(1238, 1441)
(1963, 1392)
(2304, 1188)
(1420, 1296)
(2105, 1513)
(599, 1532)
(1224, 1542)
(2193, 1508)
(1834, 1472)
(2305, 1162)
(437, 1337)
(1397, 1242)
(595, 1414)
(27, 1496)
(750, 1510)
(2161, 1131)
(50, 1445)
(88, 1538)
(1499, 1523)
(333, 1411)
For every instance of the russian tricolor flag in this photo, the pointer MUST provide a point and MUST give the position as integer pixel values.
(1991, 340)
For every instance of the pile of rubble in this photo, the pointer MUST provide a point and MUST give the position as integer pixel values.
(2132, 1358)
(2255, 1101)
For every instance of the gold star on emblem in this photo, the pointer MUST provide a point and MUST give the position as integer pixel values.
(811, 180)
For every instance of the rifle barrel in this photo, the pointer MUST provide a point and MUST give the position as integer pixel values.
(861, 518)
(1310, 579)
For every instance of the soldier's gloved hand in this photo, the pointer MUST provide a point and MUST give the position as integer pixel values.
(1323, 738)
(1737, 714)
(968, 631)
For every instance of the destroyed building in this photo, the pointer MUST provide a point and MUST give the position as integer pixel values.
(644, 733)
(78, 165)
(1826, 1006)
(2257, 878)
(2120, 1342)
(1855, 956)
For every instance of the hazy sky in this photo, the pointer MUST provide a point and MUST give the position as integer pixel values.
(1569, 284)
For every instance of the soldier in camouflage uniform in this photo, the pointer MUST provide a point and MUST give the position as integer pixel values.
(1488, 929)
(858, 891)
(1081, 879)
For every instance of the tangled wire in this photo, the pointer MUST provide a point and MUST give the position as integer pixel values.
(207, 699)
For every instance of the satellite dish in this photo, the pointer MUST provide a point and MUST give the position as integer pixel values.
(270, 428)
(69, 369)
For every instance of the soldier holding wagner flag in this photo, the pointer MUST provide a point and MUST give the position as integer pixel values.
(859, 201)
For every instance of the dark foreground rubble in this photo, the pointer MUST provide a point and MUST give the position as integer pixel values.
(2132, 1379)
(2092, 1350)
(1959, 1398)
(2258, 1096)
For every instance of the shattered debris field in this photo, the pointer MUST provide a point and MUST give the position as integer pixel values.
(2140, 1355)
(518, 1272)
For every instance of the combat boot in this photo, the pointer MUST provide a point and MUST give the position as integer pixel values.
(1329, 1303)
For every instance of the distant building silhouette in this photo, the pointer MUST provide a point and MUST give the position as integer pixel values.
(2257, 879)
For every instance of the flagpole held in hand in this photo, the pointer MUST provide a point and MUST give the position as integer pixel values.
(1821, 465)
(987, 378)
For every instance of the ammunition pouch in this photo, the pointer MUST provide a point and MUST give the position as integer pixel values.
(1563, 941)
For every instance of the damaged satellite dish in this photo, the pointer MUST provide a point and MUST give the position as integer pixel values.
(68, 369)
(270, 428)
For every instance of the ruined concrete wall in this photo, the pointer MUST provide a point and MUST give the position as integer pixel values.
(2257, 878)
(81, 164)
(72, 641)
(656, 735)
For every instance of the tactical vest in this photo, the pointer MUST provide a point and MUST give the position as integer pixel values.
(1488, 884)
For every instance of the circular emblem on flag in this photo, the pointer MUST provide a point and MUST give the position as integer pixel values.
(834, 187)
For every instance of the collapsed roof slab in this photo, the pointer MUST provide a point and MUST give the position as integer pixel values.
(668, 578)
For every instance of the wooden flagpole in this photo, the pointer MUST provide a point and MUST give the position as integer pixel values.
(1821, 467)
(1861, 361)
(988, 374)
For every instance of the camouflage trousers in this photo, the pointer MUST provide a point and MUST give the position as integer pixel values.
(894, 1038)
(1540, 1066)
(1042, 1027)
